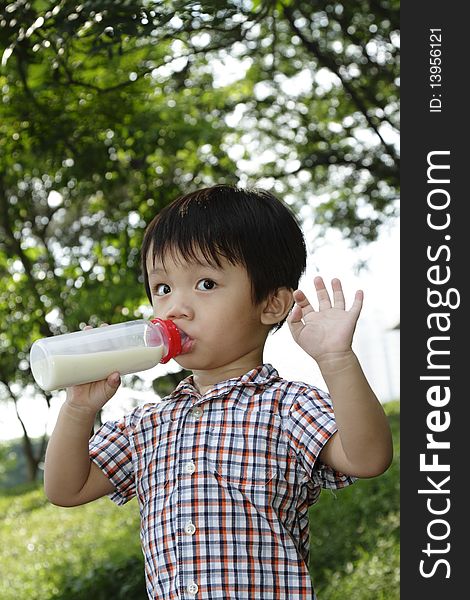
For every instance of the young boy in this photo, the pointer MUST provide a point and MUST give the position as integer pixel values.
(226, 467)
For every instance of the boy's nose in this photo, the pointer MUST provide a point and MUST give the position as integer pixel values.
(179, 310)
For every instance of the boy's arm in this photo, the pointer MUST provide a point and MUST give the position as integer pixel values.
(70, 477)
(362, 445)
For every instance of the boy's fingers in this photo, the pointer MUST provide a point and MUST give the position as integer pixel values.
(114, 379)
(91, 326)
(357, 304)
(302, 302)
(295, 315)
(322, 293)
(295, 327)
(338, 296)
(111, 385)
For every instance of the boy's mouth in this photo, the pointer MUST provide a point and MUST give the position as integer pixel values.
(186, 342)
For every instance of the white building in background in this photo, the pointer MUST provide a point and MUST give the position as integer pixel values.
(379, 352)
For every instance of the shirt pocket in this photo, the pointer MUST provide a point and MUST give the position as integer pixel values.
(243, 448)
(154, 459)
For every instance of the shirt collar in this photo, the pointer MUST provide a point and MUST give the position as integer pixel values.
(257, 377)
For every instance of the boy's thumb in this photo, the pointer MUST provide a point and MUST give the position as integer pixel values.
(112, 383)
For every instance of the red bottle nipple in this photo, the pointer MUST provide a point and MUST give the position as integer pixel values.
(173, 336)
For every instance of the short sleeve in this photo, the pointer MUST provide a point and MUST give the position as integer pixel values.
(311, 423)
(110, 449)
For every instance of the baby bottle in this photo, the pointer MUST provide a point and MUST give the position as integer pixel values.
(93, 354)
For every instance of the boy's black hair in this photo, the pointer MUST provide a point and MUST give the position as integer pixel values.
(251, 228)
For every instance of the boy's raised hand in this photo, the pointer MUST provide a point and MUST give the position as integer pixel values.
(325, 333)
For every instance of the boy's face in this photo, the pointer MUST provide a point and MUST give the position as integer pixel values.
(213, 306)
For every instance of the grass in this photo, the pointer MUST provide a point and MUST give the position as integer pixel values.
(49, 552)
(354, 550)
(93, 551)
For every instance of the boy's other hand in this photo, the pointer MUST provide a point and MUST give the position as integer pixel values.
(93, 396)
(325, 333)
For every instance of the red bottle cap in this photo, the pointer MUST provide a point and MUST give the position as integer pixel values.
(173, 337)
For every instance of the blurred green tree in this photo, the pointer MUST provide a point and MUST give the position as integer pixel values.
(325, 108)
(110, 110)
(91, 147)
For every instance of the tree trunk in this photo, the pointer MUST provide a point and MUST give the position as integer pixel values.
(33, 459)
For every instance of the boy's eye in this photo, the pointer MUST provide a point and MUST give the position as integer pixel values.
(162, 289)
(205, 284)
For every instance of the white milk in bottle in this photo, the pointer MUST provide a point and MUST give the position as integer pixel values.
(93, 354)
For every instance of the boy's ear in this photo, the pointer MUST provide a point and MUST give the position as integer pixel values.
(277, 306)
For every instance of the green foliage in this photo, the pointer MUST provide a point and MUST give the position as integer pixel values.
(13, 466)
(8, 463)
(354, 550)
(375, 575)
(325, 106)
(94, 552)
(119, 581)
(72, 554)
(109, 110)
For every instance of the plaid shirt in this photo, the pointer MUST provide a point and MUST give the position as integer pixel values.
(224, 482)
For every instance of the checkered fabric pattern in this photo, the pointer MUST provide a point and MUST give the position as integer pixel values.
(224, 482)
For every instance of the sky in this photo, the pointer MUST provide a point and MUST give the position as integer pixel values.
(376, 342)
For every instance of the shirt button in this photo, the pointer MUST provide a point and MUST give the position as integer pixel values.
(197, 412)
(189, 468)
(192, 588)
(190, 528)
